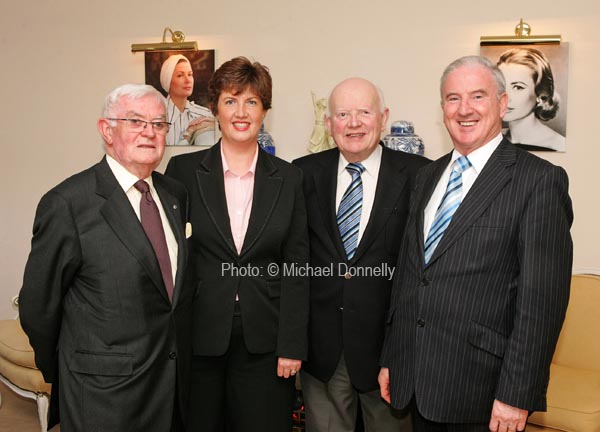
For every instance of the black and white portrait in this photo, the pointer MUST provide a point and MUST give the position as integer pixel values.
(536, 84)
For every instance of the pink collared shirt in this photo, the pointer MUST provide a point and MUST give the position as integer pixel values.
(239, 193)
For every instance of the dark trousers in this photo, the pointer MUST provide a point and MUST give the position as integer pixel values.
(239, 391)
(421, 424)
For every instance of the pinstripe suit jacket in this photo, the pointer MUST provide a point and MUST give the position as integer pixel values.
(481, 320)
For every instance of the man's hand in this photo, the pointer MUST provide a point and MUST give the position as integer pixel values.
(506, 418)
(384, 384)
(288, 367)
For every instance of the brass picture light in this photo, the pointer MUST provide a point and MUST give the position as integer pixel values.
(177, 43)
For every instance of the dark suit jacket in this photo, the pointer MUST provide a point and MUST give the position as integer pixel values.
(349, 314)
(481, 320)
(96, 311)
(274, 305)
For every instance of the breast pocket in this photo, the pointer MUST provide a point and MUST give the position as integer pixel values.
(494, 218)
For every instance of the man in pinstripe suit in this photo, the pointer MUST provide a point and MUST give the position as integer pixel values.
(474, 321)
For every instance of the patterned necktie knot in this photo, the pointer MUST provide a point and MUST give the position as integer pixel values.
(461, 164)
(355, 169)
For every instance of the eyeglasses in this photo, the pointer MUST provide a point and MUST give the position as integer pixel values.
(137, 125)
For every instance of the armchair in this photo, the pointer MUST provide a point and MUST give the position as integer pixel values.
(574, 389)
(17, 367)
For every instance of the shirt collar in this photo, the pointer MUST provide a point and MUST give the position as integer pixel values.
(371, 163)
(251, 169)
(479, 157)
(125, 179)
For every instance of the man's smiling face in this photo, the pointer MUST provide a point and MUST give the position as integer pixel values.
(357, 118)
(472, 110)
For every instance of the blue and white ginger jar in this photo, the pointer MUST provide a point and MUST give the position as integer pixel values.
(403, 138)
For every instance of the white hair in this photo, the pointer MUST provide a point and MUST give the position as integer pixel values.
(130, 91)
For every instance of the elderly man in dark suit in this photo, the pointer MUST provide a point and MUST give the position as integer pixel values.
(103, 300)
(352, 264)
(476, 313)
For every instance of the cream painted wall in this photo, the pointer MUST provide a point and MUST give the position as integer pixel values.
(61, 57)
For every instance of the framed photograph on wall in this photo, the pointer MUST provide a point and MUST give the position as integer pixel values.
(536, 82)
(182, 77)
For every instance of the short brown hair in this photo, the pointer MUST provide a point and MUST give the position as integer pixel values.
(237, 75)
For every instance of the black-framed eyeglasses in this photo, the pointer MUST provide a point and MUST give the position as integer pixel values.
(137, 125)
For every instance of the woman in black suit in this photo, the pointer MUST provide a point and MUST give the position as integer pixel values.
(249, 239)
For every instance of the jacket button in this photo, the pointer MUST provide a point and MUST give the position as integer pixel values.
(421, 322)
(425, 281)
(347, 276)
(172, 355)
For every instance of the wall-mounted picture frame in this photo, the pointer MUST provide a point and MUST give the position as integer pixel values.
(536, 83)
(182, 77)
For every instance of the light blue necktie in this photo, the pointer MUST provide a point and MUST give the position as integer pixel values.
(448, 206)
(348, 215)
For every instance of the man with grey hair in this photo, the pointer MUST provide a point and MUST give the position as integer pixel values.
(103, 300)
(357, 202)
(476, 313)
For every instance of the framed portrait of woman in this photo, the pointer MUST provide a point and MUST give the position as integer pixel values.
(182, 77)
(536, 83)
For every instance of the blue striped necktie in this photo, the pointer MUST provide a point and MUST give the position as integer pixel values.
(348, 215)
(450, 202)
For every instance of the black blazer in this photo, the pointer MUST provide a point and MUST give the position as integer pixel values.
(274, 304)
(349, 314)
(481, 320)
(96, 311)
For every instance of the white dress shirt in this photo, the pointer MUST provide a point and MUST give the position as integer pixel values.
(478, 159)
(369, 179)
(126, 181)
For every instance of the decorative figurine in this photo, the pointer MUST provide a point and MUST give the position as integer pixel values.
(320, 139)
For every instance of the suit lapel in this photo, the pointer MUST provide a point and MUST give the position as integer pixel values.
(488, 184)
(267, 187)
(390, 184)
(325, 180)
(120, 216)
(211, 185)
(173, 213)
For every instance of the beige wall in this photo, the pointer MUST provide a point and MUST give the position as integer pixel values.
(59, 59)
